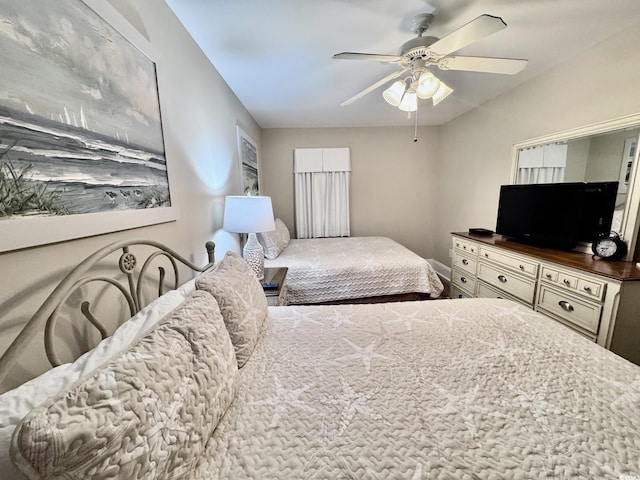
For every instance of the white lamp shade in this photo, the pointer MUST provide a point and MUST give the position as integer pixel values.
(393, 94)
(443, 92)
(427, 85)
(409, 102)
(246, 214)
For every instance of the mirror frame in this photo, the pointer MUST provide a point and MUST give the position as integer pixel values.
(631, 215)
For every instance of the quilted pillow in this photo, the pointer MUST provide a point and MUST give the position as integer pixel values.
(17, 403)
(275, 241)
(145, 414)
(242, 301)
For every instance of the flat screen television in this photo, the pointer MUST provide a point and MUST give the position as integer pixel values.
(556, 215)
(598, 209)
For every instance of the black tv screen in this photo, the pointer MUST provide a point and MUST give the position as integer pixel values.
(597, 210)
(557, 215)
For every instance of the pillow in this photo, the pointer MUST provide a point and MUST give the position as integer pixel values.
(187, 288)
(146, 414)
(241, 299)
(275, 241)
(16, 403)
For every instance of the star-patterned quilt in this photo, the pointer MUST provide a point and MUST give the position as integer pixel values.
(460, 389)
(330, 269)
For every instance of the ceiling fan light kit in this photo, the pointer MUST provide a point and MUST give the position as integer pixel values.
(428, 85)
(421, 52)
(409, 102)
(393, 94)
(443, 92)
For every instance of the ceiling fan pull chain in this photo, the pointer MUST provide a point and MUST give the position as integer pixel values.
(415, 129)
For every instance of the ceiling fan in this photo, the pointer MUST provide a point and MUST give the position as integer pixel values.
(422, 52)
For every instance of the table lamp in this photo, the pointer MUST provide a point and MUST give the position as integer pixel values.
(249, 214)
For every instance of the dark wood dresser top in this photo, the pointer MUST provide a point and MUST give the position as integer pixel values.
(617, 270)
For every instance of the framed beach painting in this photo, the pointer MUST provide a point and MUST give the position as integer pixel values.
(81, 141)
(248, 159)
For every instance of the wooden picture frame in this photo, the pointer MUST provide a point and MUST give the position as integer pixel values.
(81, 140)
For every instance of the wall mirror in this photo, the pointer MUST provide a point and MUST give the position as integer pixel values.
(602, 152)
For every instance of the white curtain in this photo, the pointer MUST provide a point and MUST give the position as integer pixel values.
(542, 164)
(321, 178)
(540, 175)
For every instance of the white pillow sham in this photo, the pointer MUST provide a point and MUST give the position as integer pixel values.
(146, 413)
(17, 403)
(241, 300)
(275, 241)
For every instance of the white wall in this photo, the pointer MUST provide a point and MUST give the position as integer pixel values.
(475, 152)
(200, 114)
(392, 180)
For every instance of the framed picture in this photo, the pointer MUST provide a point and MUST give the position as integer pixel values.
(81, 141)
(248, 156)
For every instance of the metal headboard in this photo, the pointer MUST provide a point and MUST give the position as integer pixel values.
(81, 275)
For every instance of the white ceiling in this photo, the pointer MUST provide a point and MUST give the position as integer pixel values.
(276, 54)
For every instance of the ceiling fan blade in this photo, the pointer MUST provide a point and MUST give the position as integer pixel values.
(476, 29)
(371, 88)
(375, 57)
(508, 66)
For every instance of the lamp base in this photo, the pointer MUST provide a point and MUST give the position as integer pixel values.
(253, 254)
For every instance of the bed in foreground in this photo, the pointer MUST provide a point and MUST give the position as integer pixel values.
(224, 387)
(452, 389)
(323, 270)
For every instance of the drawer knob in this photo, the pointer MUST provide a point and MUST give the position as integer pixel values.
(548, 275)
(460, 295)
(465, 261)
(566, 282)
(566, 306)
(486, 255)
(521, 267)
(587, 288)
(464, 247)
(463, 279)
(502, 278)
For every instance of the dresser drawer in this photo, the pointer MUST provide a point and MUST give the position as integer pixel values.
(463, 262)
(487, 291)
(515, 262)
(465, 246)
(571, 308)
(463, 280)
(549, 274)
(513, 284)
(457, 292)
(591, 288)
(588, 287)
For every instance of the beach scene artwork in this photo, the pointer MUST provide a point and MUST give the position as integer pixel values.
(80, 126)
(248, 153)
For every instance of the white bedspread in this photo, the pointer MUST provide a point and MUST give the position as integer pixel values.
(329, 269)
(452, 389)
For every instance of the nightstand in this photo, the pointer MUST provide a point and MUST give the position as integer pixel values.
(275, 295)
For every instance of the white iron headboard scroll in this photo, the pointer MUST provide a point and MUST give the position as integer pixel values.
(81, 275)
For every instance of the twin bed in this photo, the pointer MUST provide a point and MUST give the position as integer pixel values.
(348, 269)
(208, 382)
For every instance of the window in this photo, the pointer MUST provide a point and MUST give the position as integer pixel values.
(321, 177)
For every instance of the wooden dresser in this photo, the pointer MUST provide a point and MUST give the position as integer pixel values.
(599, 299)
